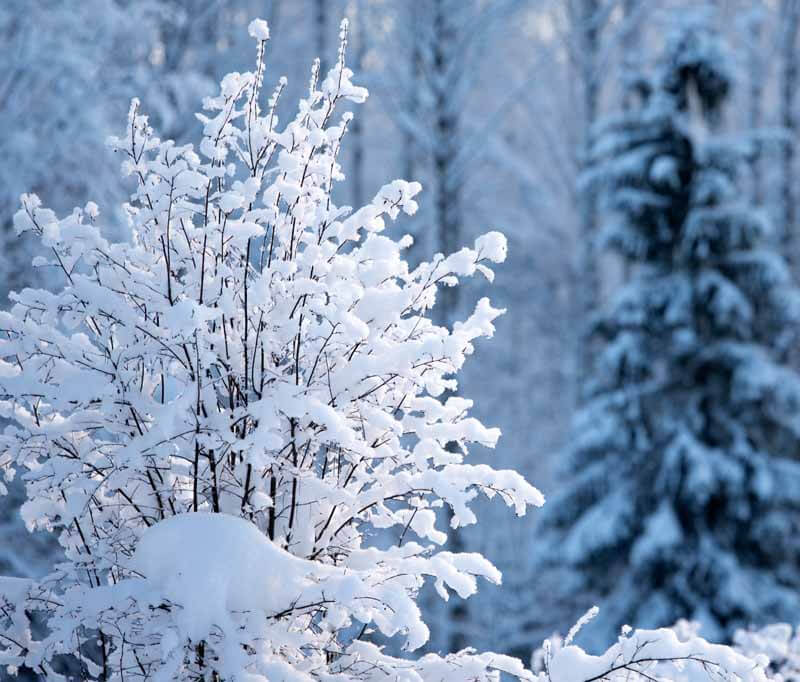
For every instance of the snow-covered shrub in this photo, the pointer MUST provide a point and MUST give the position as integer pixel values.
(264, 359)
(225, 419)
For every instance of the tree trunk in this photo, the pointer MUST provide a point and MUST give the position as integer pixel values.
(447, 221)
(587, 280)
(755, 69)
(790, 15)
(321, 35)
(356, 126)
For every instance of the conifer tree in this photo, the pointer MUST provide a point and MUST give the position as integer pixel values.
(683, 484)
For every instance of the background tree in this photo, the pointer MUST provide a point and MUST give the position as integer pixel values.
(588, 18)
(753, 30)
(682, 496)
(788, 27)
(445, 120)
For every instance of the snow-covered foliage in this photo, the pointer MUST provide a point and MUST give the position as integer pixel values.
(263, 360)
(774, 647)
(778, 642)
(644, 656)
(683, 482)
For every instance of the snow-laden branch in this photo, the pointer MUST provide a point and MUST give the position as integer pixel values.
(646, 656)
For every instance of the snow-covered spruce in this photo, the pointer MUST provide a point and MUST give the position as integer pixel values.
(220, 418)
(682, 491)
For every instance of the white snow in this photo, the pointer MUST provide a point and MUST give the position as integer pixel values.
(212, 564)
(258, 29)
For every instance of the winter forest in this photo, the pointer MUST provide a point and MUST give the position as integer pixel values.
(399, 340)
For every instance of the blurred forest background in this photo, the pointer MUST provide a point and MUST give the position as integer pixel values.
(494, 105)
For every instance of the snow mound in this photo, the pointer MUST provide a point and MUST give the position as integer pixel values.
(213, 564)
